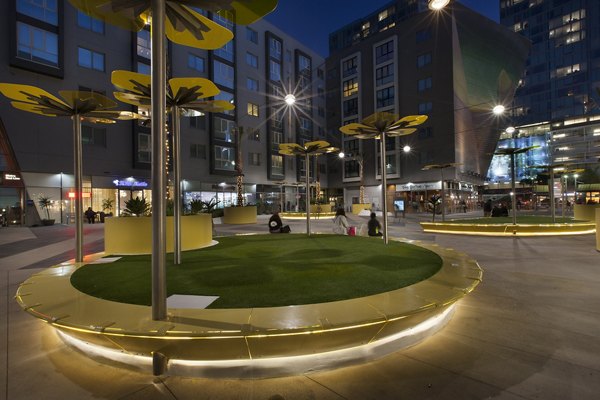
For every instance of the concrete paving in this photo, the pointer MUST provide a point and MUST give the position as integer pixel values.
(531, 330)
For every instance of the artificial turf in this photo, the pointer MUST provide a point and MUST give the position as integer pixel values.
(268, 271)
(521, 219)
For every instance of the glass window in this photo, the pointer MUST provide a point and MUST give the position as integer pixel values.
(37, 45)
(198, 151)
(276, 164)
(44, 10)
(196, 63)
(95, 136)
(144, 150)
(350, 107)
(424, 84)
(275, 48)
(144, 68)
(224, 158)
(304, 64)
(143, 44)
(90, 23)
(226, 52)
(254, 158)
(224, 129)
(252, 84)
(385, 97)
(425, 107)
(251, 60)
(384, 75)
(227, 96)
(350, 87)
(252, 35)
(90, 59)
(349, 67)
(384, 52)
(423, 60)
(253, 109)
(274, 71)
(423, 35)
(223, 74)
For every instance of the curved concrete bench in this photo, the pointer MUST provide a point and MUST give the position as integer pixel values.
(253, 342)
(580, 228)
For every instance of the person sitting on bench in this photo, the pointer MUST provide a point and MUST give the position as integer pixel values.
(276, 225)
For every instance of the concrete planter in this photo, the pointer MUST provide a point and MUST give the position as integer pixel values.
(133, 235)
(585, 212)
(239, 215)
(598, 228)
(357, 208)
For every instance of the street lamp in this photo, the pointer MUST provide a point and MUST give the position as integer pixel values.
(378, 126)
(498, 109)
(437, 5)
(289, 99)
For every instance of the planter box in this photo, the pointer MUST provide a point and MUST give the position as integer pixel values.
(47, 222)
(133, 235)
(357, 208)
(320, 208)
(239, 215)
(585, 212)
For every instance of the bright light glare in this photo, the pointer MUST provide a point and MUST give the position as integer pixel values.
(510, 130)
(341, 154)
(290, 99)
(437, 5)
(406, 149)
(499, 109)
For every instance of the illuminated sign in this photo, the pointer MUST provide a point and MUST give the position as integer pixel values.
(130, 183)
(11, 177)
(419, 186)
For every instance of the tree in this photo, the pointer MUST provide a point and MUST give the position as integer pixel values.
(45, 203)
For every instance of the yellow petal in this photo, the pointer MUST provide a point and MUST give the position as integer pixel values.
(202, 88)
(133, 99)
(38, 109)
(129, 18)
(187, 27)
(133, 82)
(29, 94)
(79, 99)
(249, 11)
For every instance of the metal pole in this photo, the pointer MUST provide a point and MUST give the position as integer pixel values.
(159, 281)
(551, 194)
(177, 186)
(563, 193)
(443, 197)
(383, 189)
(307, 158)
(61, 198)
(513, 188)
(78, 188)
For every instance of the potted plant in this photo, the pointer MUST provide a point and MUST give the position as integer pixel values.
(45, 203)
(107, 206)
(136, 207)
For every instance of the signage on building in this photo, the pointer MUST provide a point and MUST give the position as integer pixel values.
(71, 195)
(10, 179)
(130, 184)
(415, 187)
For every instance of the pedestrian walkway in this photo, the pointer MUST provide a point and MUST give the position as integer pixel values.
(529, 331)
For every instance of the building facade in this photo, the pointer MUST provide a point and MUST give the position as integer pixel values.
(453, 65)
(51, 45)
(557, 105)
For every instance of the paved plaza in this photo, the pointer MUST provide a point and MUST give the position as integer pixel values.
(529, 331)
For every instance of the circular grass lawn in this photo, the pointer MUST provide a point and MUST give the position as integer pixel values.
(268, 271)
(521, 219)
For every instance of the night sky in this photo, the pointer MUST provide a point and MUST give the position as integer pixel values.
(311, 21)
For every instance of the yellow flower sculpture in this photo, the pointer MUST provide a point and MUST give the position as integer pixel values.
(78, 105)
(309, 149)
(183, 24)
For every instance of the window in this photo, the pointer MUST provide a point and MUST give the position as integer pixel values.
(196, 63)
(564, 71)
(423, 35)
(321, 112)
(423, 60)
(351, 169)
(274, 71)
(350, 107)
(143, 68)
(44, 10)
(198, 151)
(226, 52)
(90, 23)
(275, 48)
(143, 44)
(90, 59)
(321, 92)
(224, 158)
(254, 134)
(276, 165)
(424, 84)
(384, 75)
(93, 136)
(198, 122)
(144, 150)
(223, 129)
(254, 159)
(384, 52)
(350, 87)
(424, 108)
(37, 45)
(253, 109)
(252, 84)
(252, 35)
(349, 67)
(223, 74)
(251, 60)
(385, 97)
(320, 73)
(227, 96)
(304, 64)
(425, 133)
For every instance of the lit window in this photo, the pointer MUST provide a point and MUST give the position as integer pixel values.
(224, 158)
(276, 164)
(143, 44)
(90, 59)
(253, 109)
(350, 87)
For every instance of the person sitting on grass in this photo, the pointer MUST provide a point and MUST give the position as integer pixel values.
(374, 226)
(276, 225)
(340, 222)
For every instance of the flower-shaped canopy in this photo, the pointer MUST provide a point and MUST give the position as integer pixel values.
(183, 24)
(382, 122)
(507, 151)
(439, 166)
(184, 93)
(92, 107)
(309, 148)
